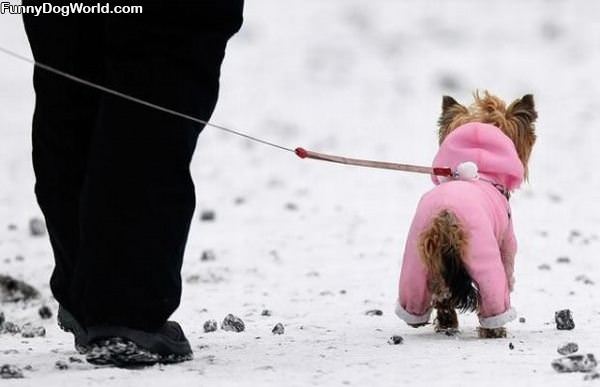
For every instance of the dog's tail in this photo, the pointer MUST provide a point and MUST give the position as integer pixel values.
(442, 247)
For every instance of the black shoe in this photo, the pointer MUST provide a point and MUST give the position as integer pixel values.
(126, 347)
(68, 323)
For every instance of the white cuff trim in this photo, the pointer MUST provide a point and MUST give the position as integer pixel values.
(499, 320)
(411, 318)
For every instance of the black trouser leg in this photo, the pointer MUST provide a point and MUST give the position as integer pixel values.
(138, 196)
(65, 114)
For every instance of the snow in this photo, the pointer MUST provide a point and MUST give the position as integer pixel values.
(320, 244)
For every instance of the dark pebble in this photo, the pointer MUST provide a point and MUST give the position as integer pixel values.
(511, 346)
(208, 255)
(575, 363)
(61, 365)
(395, 340)
(563, 260)
(564, 320)
(208, 216)
(266, 312)
(29, 330)
(13, 290)
(233, 324)
(291, 206)
(278, 329)
(12, 227)
(9, 371)
(74, 359)
(568, 348)
(374, 312)
(2, 318)
(585, 279)
(45, 312)
(522, 319)
(544, 266)
(592, 376)
(210, 326)
(10, 327)
(37, 227)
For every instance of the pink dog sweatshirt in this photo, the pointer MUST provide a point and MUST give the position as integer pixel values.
(484, 213)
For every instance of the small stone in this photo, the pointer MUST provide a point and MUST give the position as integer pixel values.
(522, 320)
(13, 290)
(567, 348)
(208, 216)
(585, 279)
(12, 227)
(233, 324)
(374, 312)
(544, 266)
(278, 329)
(45, 312)
(343, 291)
(291, 206)
(61, 365)
(575, 363)
(19, 258)
(210, 326)
(449, 83)
(395, 340)
(2, 318)
(208, 255)
(563, 260)
(564, 320)
(9, 371)
(511, 346)
(29, 330)
(239, 201)
(266, 312)
(592, 376)
(74, 359)
(10, 327)
(37, 227)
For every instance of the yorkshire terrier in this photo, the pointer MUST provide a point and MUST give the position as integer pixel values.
(461, 246)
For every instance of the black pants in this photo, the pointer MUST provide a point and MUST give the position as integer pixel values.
(112, 176)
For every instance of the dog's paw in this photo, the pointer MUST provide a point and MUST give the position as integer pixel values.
(491, 333)
(448, 331)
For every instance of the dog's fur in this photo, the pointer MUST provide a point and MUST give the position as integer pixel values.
(442, 246)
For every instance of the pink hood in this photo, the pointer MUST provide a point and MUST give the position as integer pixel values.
(485, 145)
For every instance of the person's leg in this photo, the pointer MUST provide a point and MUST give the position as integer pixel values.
(138, 196)
(65, 113)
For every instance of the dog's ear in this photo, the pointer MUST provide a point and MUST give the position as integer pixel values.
(452, 112)
(523, 111)
(521, 115)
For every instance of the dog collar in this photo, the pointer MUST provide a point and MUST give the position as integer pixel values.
(502, 189)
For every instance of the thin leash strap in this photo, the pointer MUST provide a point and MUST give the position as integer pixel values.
(139, 100)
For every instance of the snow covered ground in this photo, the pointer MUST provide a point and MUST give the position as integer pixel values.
(321, 244)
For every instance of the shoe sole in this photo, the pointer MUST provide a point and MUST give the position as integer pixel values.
(124, 353)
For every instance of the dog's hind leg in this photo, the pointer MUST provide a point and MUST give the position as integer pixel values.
(446, 320)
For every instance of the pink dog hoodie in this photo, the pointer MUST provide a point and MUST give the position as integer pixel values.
(484, 212)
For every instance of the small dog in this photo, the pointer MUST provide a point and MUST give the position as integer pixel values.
(461, 246)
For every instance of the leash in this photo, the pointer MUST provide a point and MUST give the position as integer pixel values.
(300, 152)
